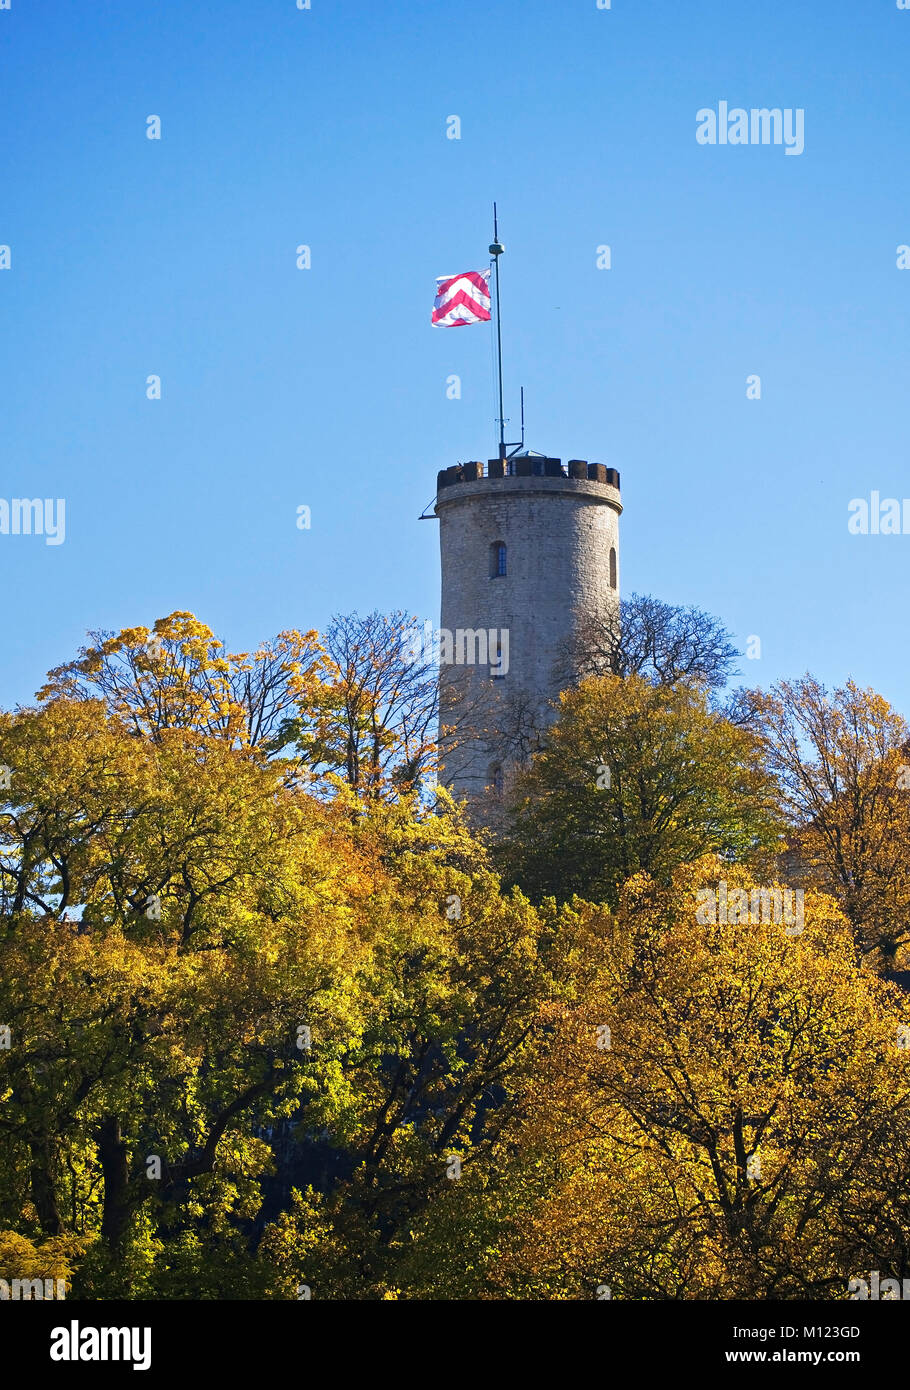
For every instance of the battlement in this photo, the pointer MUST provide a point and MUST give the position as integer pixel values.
(527, 466)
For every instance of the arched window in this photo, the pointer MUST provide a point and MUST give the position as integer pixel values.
(612, 566)
(497, 560)
(496, 779)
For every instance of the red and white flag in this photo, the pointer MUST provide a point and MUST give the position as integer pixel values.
(462, 299)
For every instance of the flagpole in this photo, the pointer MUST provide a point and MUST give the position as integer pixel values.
(496, 251)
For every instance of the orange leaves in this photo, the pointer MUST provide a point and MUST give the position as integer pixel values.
(738, 1135)
(842, 762)
(176, 675)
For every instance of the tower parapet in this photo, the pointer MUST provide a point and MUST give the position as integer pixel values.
(527, 467)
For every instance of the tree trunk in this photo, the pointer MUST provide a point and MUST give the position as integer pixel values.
(42, 1178)
(113, 1155)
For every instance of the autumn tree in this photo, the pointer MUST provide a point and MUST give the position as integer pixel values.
(376, 724)
(634, 776)
(198, 956)
(178, 675)
(360, 703)
(458, 1026)
(661, 642)
(724, 1112)
(268, 1017)
(175, 915)
(842, 762)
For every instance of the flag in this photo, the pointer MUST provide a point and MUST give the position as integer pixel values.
(462, 299)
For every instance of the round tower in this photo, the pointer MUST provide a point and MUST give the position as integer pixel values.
(527, 546)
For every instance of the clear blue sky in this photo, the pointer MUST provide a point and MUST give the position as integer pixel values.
(326, 387)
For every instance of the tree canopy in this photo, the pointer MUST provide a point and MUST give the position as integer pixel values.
(274, 1018)
(635, 776)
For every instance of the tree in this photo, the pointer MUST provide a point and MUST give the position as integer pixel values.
(174, 916)
(842, 761)
(176, 675)
(458, 978)
(358, 703)
(377, 722)
(634, 777)
(657, 641)
(197, 956)
(724, 1112)
(253, 1037)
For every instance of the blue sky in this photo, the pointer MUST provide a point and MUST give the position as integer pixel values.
(327, 387)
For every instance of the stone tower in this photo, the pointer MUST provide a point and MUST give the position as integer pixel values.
(526, 546)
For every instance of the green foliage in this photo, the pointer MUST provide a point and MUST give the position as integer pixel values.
(635, 777)
(276, 1028)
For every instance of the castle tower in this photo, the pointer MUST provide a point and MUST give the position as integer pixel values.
(526, 546)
